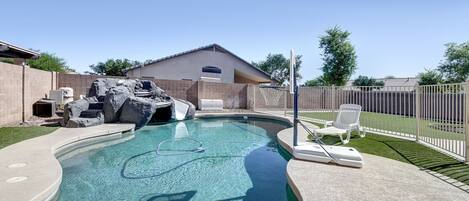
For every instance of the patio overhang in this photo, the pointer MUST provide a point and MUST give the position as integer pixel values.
(12, 51)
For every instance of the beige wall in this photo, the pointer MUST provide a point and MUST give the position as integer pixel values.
(233, 95)
(189, 66)
(37, 85)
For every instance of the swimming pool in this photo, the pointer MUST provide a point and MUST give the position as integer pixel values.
(200, 159)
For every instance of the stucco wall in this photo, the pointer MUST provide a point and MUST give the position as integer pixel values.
(10, 93)
(37, 84)
(189, 66)
(233, 95)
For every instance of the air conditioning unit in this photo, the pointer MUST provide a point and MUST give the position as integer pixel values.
(61, 96)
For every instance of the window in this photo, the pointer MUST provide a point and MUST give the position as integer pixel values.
(211, 69)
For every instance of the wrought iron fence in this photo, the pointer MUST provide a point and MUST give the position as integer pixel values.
(434, 115)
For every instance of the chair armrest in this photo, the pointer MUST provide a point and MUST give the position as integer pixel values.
(354, 126)
(328, 123)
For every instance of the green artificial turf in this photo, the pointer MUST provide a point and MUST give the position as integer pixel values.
(407, 151)
(11, 135)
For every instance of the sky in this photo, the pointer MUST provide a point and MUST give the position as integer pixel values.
(398, 38)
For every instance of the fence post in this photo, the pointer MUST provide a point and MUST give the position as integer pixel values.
(466, 120)
(417, 111)
(254, 95)
(333, 98)
(285, 102)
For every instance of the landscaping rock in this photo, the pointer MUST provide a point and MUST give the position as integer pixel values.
(124, 100)
(73, 109)
(129, 84)
(149, 89)
(113, 102)
(137, 110)
(96, 106)
(91, 114)
(79, 122)
(100, 86)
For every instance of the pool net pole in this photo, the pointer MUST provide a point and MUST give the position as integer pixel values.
(295, 114)
(294, 90)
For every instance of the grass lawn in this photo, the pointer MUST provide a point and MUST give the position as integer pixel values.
(11, 135)
(408, 152)
(394, 123)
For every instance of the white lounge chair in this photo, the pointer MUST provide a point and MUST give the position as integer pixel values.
(348, 120)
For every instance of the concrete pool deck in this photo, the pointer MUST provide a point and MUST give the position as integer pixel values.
(379, 179)
(29, 170)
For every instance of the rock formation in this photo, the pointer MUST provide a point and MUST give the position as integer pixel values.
(113, 100)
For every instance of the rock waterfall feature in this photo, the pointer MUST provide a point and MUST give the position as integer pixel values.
(111, 100)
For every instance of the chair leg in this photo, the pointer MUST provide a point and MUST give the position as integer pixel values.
(316, 136)
(346, 140)
(362, 132)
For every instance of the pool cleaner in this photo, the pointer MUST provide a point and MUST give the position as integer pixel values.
(181, 135)
(315, 151)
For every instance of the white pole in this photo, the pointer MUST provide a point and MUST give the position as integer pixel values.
(294, 89)
(292, 71)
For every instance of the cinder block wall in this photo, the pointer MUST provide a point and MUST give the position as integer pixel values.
(20, 90)
(234, 95)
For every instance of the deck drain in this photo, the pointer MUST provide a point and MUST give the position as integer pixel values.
(17, 165)
(16, 179)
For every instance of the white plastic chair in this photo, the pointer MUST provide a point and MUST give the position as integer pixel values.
(348, 120)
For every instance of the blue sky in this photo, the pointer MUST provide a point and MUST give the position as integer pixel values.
(398, 38)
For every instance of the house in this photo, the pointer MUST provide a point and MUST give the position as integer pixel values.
(211, 63)
(18, 54)
(394, 84)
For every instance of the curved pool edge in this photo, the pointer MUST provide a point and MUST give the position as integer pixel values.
(30, 169)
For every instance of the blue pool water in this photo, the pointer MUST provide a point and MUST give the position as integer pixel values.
(201, 159)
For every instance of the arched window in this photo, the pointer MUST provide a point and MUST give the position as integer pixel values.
(211, 69)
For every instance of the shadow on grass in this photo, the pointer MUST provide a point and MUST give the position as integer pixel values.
(427, 159)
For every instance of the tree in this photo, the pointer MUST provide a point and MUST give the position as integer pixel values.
(455, 68)
(7, 60)
(338, 56)
(49, 62)
(279, 67)
(367, 82)
(316, 82)
(430, 77)
(112, 67)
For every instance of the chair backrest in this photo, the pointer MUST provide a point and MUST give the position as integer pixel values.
(348, 114)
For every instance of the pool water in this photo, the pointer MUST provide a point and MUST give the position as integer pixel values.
(201, 159)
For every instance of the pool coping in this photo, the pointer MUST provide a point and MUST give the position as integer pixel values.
(30, 170)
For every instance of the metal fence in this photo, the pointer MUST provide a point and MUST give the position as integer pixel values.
(434, 115)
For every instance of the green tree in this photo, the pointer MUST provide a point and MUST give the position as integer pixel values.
(316, 82)
(430, 77)
(49, 62)
(279, 67)
(455, 68)
(338, 56)
(368, 83)
(6, 60)
(113, 67)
